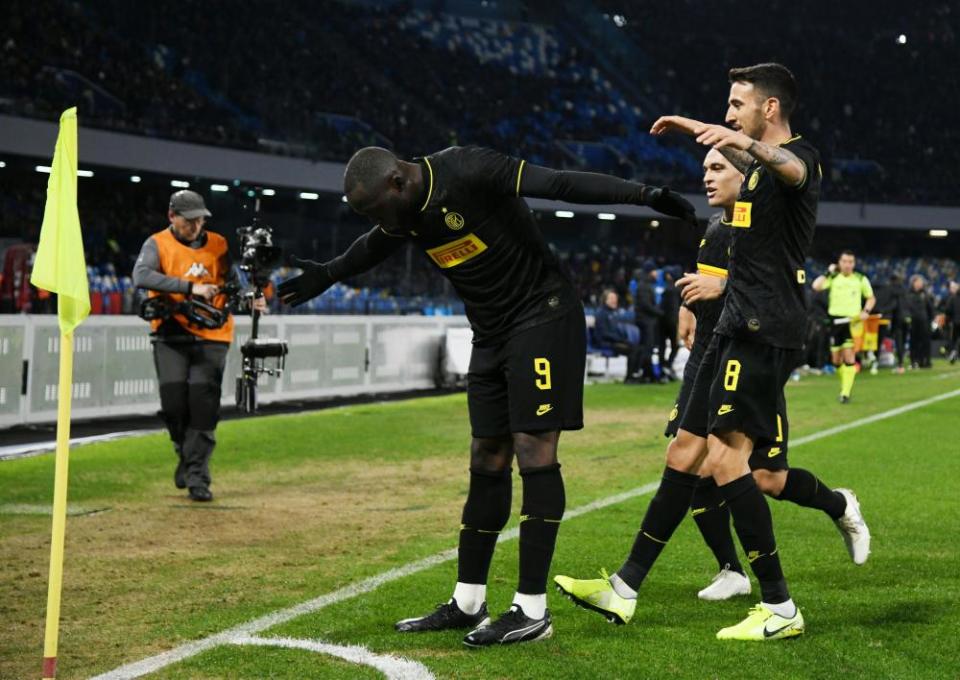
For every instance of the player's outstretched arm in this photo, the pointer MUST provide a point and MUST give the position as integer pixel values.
(363, 254)
(737, 147)
(593, 188)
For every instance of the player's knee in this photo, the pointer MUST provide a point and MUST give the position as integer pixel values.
(492, 454)
(705, 469)
(726, 457)
(686, 452)
(535, 450)
(770, 482)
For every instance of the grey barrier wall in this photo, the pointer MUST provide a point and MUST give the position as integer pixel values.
(113, 372)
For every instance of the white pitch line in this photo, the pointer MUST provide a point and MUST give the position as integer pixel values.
(244, 630)
(18, 451)
(41, 509)
(872, 419)
(394, 667)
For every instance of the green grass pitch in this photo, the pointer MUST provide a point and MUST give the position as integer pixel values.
(313, 502)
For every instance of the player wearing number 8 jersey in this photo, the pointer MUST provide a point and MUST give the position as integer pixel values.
(463, 208)
(768, 462)
(754, 348)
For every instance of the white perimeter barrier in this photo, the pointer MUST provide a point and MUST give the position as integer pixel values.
(114, 373)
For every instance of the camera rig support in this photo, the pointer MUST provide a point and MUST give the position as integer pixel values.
(258, 258)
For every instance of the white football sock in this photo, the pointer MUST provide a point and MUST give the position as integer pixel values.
(534, 606)
(621, 588)
(470, 596)
(785, 609)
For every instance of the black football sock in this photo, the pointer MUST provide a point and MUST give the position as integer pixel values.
(484, 514)
(664, 515)
(804, 488)
(754, 525)
(544, 500)
(712, 516)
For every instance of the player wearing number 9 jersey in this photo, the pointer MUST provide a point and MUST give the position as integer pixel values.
(463, 208)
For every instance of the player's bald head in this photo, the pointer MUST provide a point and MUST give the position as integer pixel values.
(367, 173)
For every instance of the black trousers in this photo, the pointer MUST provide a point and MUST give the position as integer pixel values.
(668, 331)
(648, 341)
(920, 342)
(190, 374)
(634, 354)
(898, 333)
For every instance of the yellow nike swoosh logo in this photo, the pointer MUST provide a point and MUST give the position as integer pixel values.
(726, 408)
(544, 408)
(773, 452)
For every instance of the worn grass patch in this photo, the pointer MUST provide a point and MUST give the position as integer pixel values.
(311, 502)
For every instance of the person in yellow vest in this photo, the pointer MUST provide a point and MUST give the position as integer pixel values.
(851, 301)
(185, 260)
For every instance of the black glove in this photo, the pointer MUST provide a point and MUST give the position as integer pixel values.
(314, 280)
(670, 203)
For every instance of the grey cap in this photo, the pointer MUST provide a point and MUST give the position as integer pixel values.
(189, 204)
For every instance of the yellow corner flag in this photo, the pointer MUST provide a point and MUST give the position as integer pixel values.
(60, 267)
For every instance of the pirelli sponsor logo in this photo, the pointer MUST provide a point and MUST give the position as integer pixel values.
(457, 252)
(741, 214)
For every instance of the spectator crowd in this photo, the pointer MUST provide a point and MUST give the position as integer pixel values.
(323, 77)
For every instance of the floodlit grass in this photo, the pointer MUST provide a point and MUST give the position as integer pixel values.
(312, 502)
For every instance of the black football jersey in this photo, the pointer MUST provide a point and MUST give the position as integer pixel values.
(713, 258)
(482, 236)
(772, 229)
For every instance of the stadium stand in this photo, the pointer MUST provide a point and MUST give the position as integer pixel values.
(418, 79)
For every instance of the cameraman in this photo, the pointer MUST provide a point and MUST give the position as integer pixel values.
(185, 261)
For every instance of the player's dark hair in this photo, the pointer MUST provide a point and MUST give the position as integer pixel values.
(367, 167)
(846, 252)
(773, 80)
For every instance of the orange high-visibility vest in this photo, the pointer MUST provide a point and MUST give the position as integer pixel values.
(208, 264)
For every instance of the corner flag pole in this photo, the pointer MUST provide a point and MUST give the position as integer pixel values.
(52, 630)
(60, 267)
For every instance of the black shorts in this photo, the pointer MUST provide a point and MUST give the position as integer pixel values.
(769, 455)
(693, 411)
(690, 370)
(840, 336)
(693, 403)
(532, 381)
(746, 393)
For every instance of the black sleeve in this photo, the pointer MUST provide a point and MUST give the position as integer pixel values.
(811, 159)
(508, 176)
(579, 187)
(492, 170)
(365, 253)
